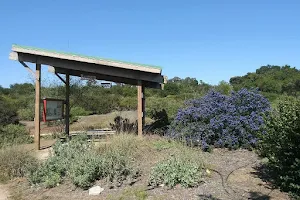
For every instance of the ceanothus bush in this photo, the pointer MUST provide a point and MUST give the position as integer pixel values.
(221, 121)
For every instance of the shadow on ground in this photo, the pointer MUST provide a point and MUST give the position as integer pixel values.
(258, 196)
(207, 197)
(265, 174)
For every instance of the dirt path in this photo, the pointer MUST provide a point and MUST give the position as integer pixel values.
(235, 177)
(4, 194)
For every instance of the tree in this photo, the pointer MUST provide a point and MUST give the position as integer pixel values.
(224, 87)
(8, 113)
(271, 80)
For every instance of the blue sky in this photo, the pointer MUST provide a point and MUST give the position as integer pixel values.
(210, 40)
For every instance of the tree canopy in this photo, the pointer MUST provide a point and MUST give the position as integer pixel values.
(271, 80)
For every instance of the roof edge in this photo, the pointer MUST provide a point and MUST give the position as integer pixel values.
(16, 46)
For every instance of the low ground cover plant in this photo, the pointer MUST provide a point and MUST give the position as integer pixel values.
(185, 167)
(221, 121)
(280, 144)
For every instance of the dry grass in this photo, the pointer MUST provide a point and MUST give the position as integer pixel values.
(103, 121)
(87, 122)
(15, 162)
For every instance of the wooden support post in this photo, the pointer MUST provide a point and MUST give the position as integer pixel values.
(141, 107)
(67, 116)
(37, 118)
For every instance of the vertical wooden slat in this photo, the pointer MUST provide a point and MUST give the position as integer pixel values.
(140, 107)
(37, 118)
(67, 116)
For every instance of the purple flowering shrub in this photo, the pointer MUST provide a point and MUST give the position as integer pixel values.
(221, 121)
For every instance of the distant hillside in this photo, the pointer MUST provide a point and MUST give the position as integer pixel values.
(272, 80)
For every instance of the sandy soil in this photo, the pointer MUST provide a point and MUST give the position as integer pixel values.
(4, 193)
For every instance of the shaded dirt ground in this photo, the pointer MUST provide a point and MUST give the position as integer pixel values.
(232, 177)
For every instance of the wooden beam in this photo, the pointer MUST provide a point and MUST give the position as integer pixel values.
(37, 118)
(61, 70)
(67, 116)
(140, 107)
(108, 78)
(28, 68)
(92, 68)
(60, 78)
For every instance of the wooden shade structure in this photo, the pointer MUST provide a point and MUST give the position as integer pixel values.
(72, 64)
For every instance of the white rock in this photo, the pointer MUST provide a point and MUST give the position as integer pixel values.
(96, 190)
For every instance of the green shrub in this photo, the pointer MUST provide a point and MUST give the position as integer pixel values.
(49, 173)
(280, 144)
(8, 113)
(54, 169)
(76, 112)
(178, 169)
(78, 160)
(161, 121)
(100, 103)
(170, 104)
(14, 162)
(79, 111)
(128, 103)
(26, 114)
(83, 172)
(118, 166)
(14, 134)
(120, 157)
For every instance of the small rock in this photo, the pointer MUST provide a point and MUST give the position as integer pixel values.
(161, 185)
(208, 171)
(96, 190)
